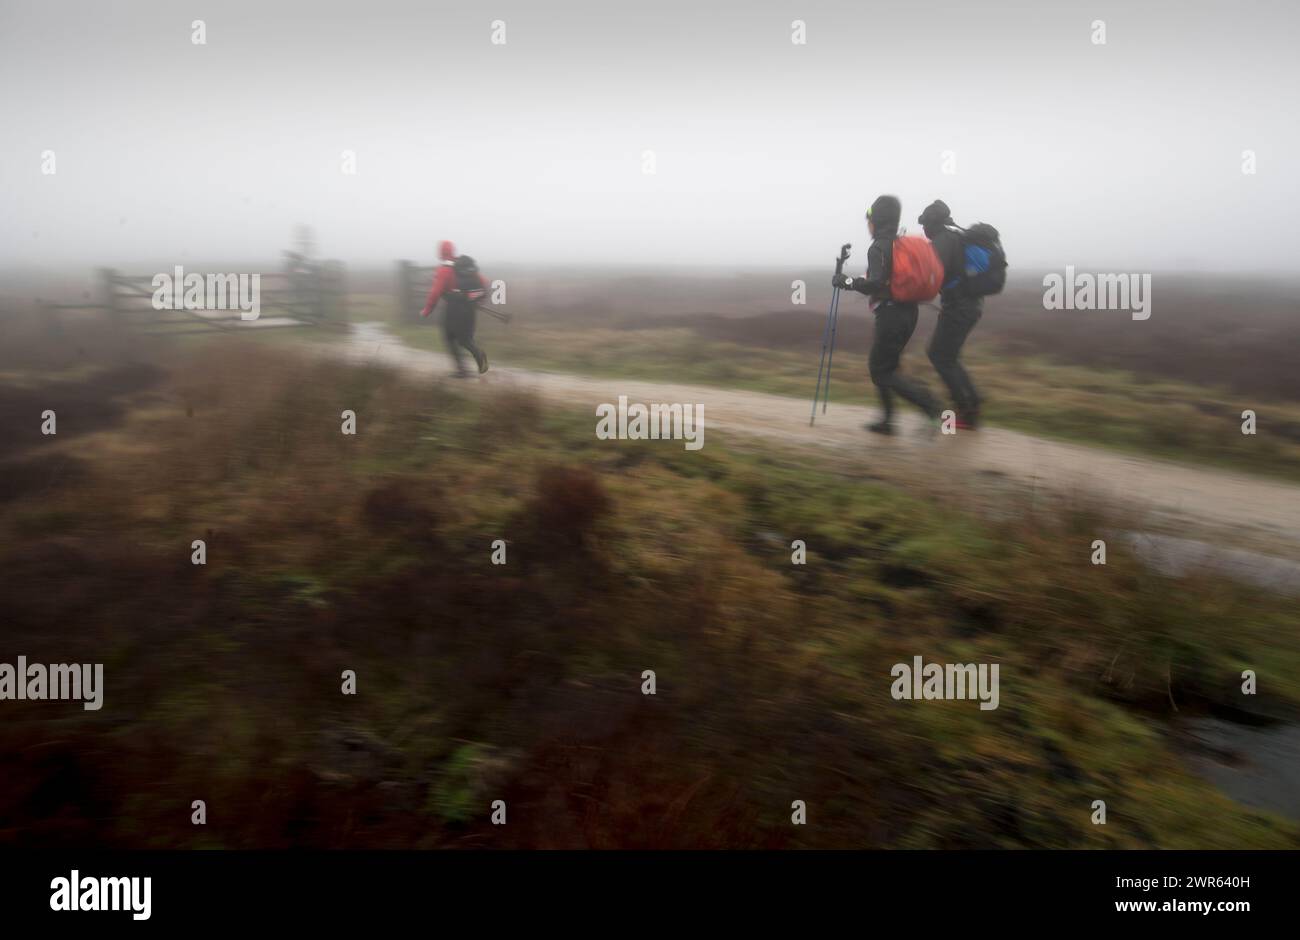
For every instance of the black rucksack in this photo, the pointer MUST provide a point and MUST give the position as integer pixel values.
(468, 281)
(985, 261)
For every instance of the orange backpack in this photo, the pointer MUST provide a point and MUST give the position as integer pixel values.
(917, 271)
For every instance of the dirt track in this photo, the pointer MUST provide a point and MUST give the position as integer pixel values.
(1246, 510)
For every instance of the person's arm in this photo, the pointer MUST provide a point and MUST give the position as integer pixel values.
(876, 283)
(947, 244)
(435, 292)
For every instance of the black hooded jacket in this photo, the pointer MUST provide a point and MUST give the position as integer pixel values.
(947, 245)
(943, 233)
(885, 212)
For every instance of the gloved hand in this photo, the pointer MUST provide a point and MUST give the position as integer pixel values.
(842, 280)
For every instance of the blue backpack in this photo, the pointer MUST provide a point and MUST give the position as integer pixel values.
(986, 263)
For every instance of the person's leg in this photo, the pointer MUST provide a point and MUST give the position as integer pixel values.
(451, 336)
(882, 363)
(467, 340)
(955, 324)
(902, 326)
(945, 346)
(973, 399)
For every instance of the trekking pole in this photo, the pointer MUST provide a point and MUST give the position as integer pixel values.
(828, 339)
(499, 314)
(830, 356)
(821, 366)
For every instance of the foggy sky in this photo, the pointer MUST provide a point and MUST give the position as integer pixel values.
(1125, 156)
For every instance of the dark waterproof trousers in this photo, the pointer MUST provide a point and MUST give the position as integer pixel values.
(895, 323)
(956, 319)
(458, 323)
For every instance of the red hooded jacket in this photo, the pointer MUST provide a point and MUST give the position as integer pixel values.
(444, 278)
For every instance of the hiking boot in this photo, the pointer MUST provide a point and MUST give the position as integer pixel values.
(460, 374)
(481, 358)
(880, 427)
(968, 421)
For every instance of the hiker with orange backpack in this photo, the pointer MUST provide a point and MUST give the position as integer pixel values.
(901, 271)
(458, 280)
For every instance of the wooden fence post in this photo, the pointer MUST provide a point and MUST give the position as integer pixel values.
(405, 291)
(108, 293)
(337, 285)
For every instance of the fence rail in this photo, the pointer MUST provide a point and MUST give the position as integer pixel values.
(306, 292)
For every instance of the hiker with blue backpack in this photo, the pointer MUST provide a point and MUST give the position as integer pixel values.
(901, 271)
(973, 267)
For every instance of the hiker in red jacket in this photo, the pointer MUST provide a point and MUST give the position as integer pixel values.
(459, 280)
